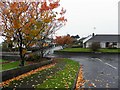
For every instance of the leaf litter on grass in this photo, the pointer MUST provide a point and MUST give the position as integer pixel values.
(35, 77)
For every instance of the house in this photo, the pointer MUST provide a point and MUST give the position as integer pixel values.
(47, 42)
(105, 40)
(75, 39)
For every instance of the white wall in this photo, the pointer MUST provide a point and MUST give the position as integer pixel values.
(118, 45)
(88, 44)
(102, 45)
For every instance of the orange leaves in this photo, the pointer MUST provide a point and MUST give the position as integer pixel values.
(14, 7)
(62, 40)
(34, 32)
(5, 11)
(51, 6)
(25, 8)
(28, 25)
(45, 44)
(31, 20)
(1, 4)
(54, 5)
(28, 38)
(80, 79)
(31, 44)
(5, 83)
(24, 51)
(61, 19)
(44, 6)
(16, 24)
(47, 20)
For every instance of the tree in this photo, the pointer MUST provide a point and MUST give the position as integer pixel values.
(24, 23)
(63, 40)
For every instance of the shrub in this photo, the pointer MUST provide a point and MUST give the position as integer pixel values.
(75, 46)
(8, 74)
(95, 46)
(33, 57)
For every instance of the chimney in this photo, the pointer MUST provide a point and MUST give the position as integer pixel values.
(93, 34)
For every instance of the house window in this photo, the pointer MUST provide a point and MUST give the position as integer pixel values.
(107, 44)
(114, 43)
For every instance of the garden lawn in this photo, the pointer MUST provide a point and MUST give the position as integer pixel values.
(75, 50)
(10, 65)
(110, 50)
(1, 60)
(62, 75)
(64, 78)
(105, 50)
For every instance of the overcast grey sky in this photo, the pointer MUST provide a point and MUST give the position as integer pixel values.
(84, 15)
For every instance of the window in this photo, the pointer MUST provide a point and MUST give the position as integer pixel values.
(114, 43)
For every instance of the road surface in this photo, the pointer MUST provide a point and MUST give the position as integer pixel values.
(100, 70)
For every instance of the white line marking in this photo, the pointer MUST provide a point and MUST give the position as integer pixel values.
(93, 84)
(111, 65)
(107, 63)
(99, 60)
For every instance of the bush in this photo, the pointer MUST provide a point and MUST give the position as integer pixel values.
(33, 57)
(76, 46)
(8, 74)
(95, 46)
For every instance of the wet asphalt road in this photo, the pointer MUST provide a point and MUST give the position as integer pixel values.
(100, 70)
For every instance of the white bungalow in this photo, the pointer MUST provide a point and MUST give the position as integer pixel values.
(105, 40)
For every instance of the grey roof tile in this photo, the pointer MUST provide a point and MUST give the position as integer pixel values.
(105, 38)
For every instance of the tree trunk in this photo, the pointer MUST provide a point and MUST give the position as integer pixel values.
(42, 52)
(21, 50)
(21, 56)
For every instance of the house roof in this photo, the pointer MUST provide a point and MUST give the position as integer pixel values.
(81, 39)
(105, 38)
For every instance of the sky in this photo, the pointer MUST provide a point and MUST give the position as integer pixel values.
(84, 15)
(90, 16)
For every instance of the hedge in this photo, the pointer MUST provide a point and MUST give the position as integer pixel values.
(8, 74)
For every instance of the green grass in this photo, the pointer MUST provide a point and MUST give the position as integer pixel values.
(64, 72)
(110, 50)
(10, 65)
(1, 60)
(89, 50)
(75, 50)
(63, 77)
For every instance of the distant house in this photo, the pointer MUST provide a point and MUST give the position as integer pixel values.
(105, 40)
(76, 37)
(47, 42)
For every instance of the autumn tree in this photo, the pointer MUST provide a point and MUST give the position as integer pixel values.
(24, 23)
(63, 40)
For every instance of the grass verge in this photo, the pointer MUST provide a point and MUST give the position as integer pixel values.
(10, 65)
(105, 50)
(1, 60)
(62, 75)
(64, 78)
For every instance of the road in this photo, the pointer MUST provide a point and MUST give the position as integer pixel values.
(100, 70)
